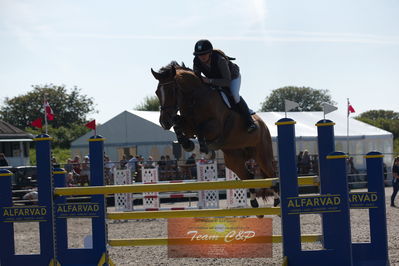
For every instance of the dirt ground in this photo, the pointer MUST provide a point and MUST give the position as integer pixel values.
(27, 238)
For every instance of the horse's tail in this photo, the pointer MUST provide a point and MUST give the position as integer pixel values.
(264, 151)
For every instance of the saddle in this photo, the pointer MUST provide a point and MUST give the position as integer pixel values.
(228, 99)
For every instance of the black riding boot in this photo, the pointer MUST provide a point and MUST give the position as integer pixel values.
(244, 111)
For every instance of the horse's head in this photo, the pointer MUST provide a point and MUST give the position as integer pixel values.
(167, 95)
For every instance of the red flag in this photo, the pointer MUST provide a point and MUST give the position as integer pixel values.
(350, 109)
(49, 111)
(37, 123)
(91, 124)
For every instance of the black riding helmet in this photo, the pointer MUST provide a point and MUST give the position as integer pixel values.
(202, 47)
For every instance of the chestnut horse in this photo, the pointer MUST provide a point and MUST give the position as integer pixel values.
(204, 115)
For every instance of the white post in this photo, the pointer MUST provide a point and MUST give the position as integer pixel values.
(207, 199)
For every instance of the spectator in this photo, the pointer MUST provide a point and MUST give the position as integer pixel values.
(162, 163)
(352, 171)
(351, 167)
(193, 168)
(149, 163)
(85, 172)
(3, 160)
(140, 163)
(305, 162)
(170, 169)
(32, 197)
(123, 162)
(70, 182)
(68, 166)
(54, 162)
(169, 164)
(299, 162)
(76, 165)
(108, 169)
(132, 165)
(191, 159)
(395, 180)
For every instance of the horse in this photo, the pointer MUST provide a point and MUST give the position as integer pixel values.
(204, 115)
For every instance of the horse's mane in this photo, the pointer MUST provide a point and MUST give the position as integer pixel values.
(174, 64)
(182, 72)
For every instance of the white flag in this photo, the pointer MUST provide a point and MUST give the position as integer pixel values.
(289, 105)
(328, 108)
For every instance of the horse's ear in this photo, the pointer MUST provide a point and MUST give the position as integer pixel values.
(173, 73)
(155, 74)
(183, 65)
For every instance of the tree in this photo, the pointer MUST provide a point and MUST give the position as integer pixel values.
(384, 119)
(308, 99)
(70, 107)
(375, 115)
(150, 103)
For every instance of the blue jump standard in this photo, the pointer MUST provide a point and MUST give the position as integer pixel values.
(332, 204)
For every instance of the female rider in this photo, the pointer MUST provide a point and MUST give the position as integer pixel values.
(220, 71)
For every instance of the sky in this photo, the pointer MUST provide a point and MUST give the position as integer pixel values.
(107, 48)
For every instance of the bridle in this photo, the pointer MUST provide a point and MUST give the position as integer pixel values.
(161, 85)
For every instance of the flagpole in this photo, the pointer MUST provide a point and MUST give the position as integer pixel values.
(347, 126)
(45, 114)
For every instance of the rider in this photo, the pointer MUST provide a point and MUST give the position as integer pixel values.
(220, 71)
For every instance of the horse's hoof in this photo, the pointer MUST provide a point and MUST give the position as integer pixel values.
(254, 203)
(260, 216)
(276, 202)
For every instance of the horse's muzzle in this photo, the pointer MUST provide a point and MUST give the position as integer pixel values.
(166, 123)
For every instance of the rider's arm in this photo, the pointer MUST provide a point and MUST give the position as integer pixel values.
(197, 70)
(224, 69)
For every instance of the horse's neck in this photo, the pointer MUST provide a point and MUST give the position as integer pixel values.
(193, 95)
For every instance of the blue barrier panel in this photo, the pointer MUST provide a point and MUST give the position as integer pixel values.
(333, 203)
(41, 213)
(290, 224)
(326, 145)
(94, 210)
(375, 252)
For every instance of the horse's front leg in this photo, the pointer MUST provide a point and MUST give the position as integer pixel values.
(201, 138)
(186, 143)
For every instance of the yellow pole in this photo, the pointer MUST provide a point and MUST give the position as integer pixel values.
(192, 213)
(218, 185)
(166, 241)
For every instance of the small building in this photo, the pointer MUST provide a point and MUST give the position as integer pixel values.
(139, 132)
(14, 143)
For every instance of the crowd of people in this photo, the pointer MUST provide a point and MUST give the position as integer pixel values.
(306, 163)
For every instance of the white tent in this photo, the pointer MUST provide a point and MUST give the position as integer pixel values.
(139, 132)
(130, 132)
(362, 137)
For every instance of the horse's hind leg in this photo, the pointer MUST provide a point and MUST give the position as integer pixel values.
(235, 161)
(265, 160)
